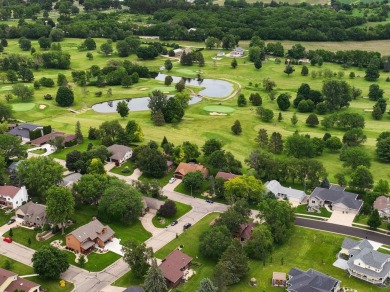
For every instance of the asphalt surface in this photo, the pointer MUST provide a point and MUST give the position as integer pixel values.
(352, 231)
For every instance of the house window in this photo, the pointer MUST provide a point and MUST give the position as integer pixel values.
(313, 202)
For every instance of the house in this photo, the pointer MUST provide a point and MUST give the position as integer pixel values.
(281, 192)
(13, 197)
(51, 136)
(279, 279)
(364, 262)
(336, 199)
(185, 168)
(178, 52)
(237, 53)
(120, 153)
(174, 267)
(33, 214)
(134, 289)
(226, 175)
(70, 179)
(382, 204)
(84, 238)
(312, 280)
(245, 231)
(9, 282)
(23, 131)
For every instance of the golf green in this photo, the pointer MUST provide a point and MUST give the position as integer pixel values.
(186, 71)
(219, 109)
(23, 107)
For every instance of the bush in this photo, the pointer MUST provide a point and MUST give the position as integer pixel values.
(167, 210)
(125, 170)
(48, 97)
(98, 94)
(46, 82)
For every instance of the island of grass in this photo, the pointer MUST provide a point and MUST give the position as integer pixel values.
(182, 209)
(220, 109)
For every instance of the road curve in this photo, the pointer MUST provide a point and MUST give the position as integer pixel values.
(346, 230)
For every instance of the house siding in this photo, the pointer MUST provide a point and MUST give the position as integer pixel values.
(73, 243)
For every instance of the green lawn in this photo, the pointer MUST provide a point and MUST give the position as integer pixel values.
(161, 181)
(21, 269)
(219, 109)
(302, 209)
(23, 107)
(196, 193)
(4, 218)
(39, 151)
(81, 147)
(96, 262)
(127, 280)
(134, 231)
(181, 210)
(362, 219)
(119, 169)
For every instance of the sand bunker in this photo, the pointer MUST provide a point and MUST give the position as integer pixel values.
(42, 106)
(217, 114)
(143, 88)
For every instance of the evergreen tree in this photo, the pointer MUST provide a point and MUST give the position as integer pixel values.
(234, 63)
(372, 71)
(236, 128)
(78, 133)
(206, 286)
(304, 71)
(312, 120)
(280, 117)
(376, 113)
(294, 119)
(158, 118)
(289, 70)
(154, 280)
(276, 143)
(374, 221)
(241, 100)
(122, 109)
(262, 138)
(258, 64)
(164, 141)
(168, 65)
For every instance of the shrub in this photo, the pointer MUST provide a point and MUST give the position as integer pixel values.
(48, 96)
(125, 170)
(167, 210)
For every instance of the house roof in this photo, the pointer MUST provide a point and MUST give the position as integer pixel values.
(310, 281)
(92, 230)
(246, 229)
(346, 198)
(171, 266)
(9, 191)
(46, 138)
(373, 259)
(226, 175)
(382, 203)
(185, 168)
(153, 203)
(279, 276)
(14, 165)
(23, 130)
(19, 283)
(134, 289)
(33, 211)
(354, 244)
(71, 178)
(337, 188)
(118, 151)
(4, 275)
(276, 188)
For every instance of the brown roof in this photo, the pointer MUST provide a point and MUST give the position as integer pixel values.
(4, 275)
(19, 283)
(226, 175)
(381, 203)
(92, 230)
(46, 138)
(246, 229)
(185, 168)
(118, 151)
(172, 265)
(9, 191)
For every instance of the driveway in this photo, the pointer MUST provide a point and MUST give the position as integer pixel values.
(49, 149)
(5, 228)
(172, 186)
(341, 218)
(114, 246)
(136, 174)
(147, 223)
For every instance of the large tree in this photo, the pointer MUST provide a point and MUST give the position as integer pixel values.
(64, 96)
(173, 112)
(90, 188)
(157, 102)
(361, 178)
(374, 221)
(24, 92)
(5, 111)
(383, 149)
(154, 279)
(214, 241)
(10, 146)
(210, 146)
(354, 156)
(283, 101)
(206, 285)
(354, 137)
(134, 130)
(122, 109)
(151, 162)
(193, 180)
(236, 214)
(39, 174)
(244, 187)
(49, 262)
(275, 144)
(337, 94)
(137, 256)
(259, 246)
(372, 71)
(60, 205)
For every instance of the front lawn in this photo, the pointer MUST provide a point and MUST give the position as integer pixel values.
(127, 280)
(81, 147)
(302, 209)
(161, 181)
(4, 218)
(96, 262)
(181, 210)
(128, 165)
(195, 193)
(21, 269)
(39, 151)
(134, 231)
(362, 219)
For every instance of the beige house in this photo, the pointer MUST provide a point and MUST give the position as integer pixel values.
(84, 238)
(32, 214)
(10, 282)
(120, 153)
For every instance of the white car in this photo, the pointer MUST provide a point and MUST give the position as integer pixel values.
(172, 180)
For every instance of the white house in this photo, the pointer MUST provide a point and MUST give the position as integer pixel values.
(13, 197)
(281, 192)
(120, 153)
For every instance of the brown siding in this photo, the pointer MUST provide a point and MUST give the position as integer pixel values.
(73, 243)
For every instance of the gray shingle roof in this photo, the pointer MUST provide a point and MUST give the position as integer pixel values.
(118, 151)
(23, 130)
(93, 230)
(334, 196)
(374, 259)
(276, 188)
(34, 213)
(71, 178)
(310, 281)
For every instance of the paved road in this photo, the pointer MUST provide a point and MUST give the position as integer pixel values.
(352, 231)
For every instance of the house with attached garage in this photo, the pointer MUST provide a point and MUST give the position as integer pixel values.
(185, 168)
(175, 267)
(336, 199)
(24, 130)
(33, 214)
(13, 197)
(310, 281)
(382, 204)
(120, 153)
(281, 192)
(364, 262)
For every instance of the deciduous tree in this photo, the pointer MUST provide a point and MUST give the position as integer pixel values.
(49, 262)
(60, 205)
(168, 209)
(137, 256)
(374, 221)
(244, 187)
(10, 146)
(361, 178)
(214, 241)
(193, 180)
(122, 109)
(259, 246)
(210, 146)
(236, 128)
(64, 96)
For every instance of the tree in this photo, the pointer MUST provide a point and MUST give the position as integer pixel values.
(24, 44)
(157, 102)
(354, 156)
(214, 241)
(289, 70)
(137, 256)
(372, 71)
(122, 109)
(325, 183)
(38, 174)
(167, 210)
(376, 112)
(49, 262)
(44, 43)
(312, 120)
(210, 146)
(12, 76)
(120, 201)
(168, 80)
(244, 187)
(173, 112)
(127, 81)
(374, 221)
(106, 49)
(268, 84)
(304, 71)
(89, 55)
(340, 179)
(361, 178)
(265, 114)
(333, 143)
(241, 100)
(60, 205)
(382, 187)
(283, 101)
(64, 96)
(193, 180)
(279, 217)
(10, 146)
(382, 149)
(154, 279)
(61, 80)
(337, 94)
(354, 137)
(90, 44)
(96, 166)
(168, 65)
(260, 244)
(151, 162)
(234, 63)
(294, 119)
(24, 92)
(255, 99)
(236, 128)
(262, 138)
(206, 285)
(299, 146)
(90, 188)
(275, 144)
(258, 64)
(375, 92)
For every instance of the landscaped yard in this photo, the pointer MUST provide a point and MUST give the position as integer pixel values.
(302, 209)
(81, 147)
(181, 210)
(21, 269)
(4, 218)
(128, 165)
(161, 181)
(127, 280)
(39, 151)
(362, 219)
(134, 231)
(96, 262)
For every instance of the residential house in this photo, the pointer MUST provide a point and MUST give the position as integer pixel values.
(336, 199)
(134, 289)
(51, 136)
(174, 267)
(245, 231)
(365, 262)
(279, 279)
(237, 53)
(281, 192)
(185, 168)
(70, 179)
(23, 131)
(178, 52)
(10, 282)
(84, 238)
(312, 280)
(226, 175)
(120, 153)
(33, 214)
(13, 197)
(382, 204)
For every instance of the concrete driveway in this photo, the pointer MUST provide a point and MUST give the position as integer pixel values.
(338, 217)
(172, 186)
(147, 223)
(49, 149)
(5, 228)
(114, 246)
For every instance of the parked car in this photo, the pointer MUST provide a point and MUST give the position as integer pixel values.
(11, 221)
(174, 223)
(187, 225)
(172, 180)
(7, 239)
(210, 201)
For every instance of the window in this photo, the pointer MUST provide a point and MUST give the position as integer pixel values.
(313, 202)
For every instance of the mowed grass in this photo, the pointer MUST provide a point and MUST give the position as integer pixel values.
(4, 218)
(219, 109)
(302, 209)
(96, 262)
(23, 107)
(127, 165)
(182, 209)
